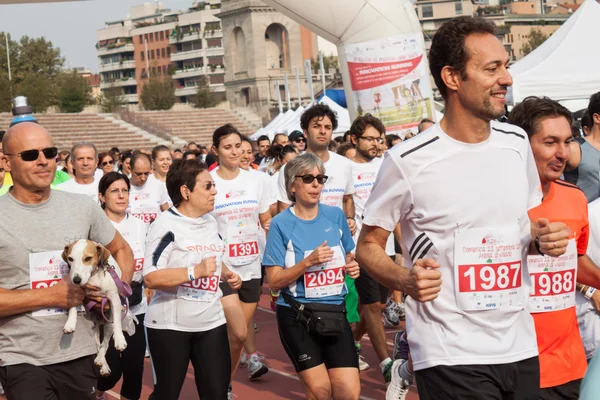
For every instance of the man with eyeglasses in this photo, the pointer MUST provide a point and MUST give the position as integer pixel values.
(38, 360)
(298, 140)
(148, 197)
(85, 160)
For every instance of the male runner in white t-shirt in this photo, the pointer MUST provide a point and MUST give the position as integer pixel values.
(147, 197)
(85, 161)
(461, 191)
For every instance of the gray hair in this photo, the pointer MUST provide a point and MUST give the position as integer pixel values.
(80, 145)
(299, 166)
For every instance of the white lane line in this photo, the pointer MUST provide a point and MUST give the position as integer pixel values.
(266, 310)
(113, 394)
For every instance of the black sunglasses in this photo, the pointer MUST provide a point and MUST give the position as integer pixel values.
(308, 179)
(105, 163)
(300, 140)
(32, 155)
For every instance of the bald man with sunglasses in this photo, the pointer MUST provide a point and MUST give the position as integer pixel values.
(38, 359)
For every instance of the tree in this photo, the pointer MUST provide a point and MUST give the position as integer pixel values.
(536, 38)
(204, 98)
(158, 94)
(74, 92)
(5, 98)
(39, 90)
(111, 99)
(328, 63)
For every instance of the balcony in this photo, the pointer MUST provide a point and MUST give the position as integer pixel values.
(187, 55)
(186, 91)
(118, 83)
(217, 87)
(191, 72)
(193, 36)
(117, 66)
(130, 98)
(214, 51)
(103, 51)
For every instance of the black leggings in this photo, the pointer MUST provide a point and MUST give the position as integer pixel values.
(171, 353)
(129, 363)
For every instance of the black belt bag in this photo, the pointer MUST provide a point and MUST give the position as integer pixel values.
(322, 319)
(137, 293)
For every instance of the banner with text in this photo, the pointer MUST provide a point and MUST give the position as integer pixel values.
(390, 80)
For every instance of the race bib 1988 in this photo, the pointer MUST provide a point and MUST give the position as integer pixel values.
(488, 268)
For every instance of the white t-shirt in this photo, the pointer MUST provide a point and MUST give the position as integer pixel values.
(238, 204)
(446, 193)
(176, 241)
(363, 176)
(134, 232)
(90, 189)
(145, 201)
(339, 171)
(164, 184)
(587, 316)
(266, 180)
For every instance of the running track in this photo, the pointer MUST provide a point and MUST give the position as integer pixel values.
(281, 382)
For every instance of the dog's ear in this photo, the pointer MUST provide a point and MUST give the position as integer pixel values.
(103, 254)
(65, 254)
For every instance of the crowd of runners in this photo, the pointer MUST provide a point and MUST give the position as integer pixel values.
(477, 232)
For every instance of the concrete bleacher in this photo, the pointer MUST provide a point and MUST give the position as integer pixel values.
(197, 126)
(103, 131)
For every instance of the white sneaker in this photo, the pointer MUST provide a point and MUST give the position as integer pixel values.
(230, 395)
(398, 387)
(1, 389)
(256, 368)
(400, 310)
(362, 364)
(243, 359)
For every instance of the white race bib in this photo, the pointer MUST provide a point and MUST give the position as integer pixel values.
(203, 289)
(46, 269)
(242, 245)
(146, 211)
(488, 268)
(553, 281)
(325, 280)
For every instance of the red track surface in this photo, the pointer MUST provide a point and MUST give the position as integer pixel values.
(281, 382)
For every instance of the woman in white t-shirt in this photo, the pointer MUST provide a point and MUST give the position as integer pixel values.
(113, 193)
(242, 212)
(183, 264)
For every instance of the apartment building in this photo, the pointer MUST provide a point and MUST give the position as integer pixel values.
(157, 42)
(433, 13)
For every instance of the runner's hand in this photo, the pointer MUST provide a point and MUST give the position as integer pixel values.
(351, 268)
(206, 268)
(553, 237)
(320, 255)
(233, 279)
(425, 280)
(66, 295)
(596, 300)
(352, 226)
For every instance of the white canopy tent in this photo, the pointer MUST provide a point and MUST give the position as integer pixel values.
(566, 66)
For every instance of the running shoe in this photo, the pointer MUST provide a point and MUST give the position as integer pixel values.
(362, 364)
(400, 310)
(387, 371)
(401, 348)
(398, 387)
(1, 389)
(230, 395)
(243, 359)
(256, 368)
(101, 397)
(255, 327)
(390, 318)
(273, 300)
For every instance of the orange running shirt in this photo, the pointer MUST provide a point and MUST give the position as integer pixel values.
(562, 357)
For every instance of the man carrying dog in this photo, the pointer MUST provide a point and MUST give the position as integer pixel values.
(37, 360)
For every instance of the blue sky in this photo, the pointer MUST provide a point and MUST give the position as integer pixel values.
(71, 26)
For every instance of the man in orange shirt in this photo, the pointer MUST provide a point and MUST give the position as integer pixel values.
(552, 301)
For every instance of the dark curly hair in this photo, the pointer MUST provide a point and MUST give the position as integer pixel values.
(594, 106)
(528, 114)
(359, 126)
(448, 46)
(318, 110)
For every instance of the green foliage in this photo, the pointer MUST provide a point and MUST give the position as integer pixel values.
(204, 98)
(39, 90)
(111, 100)
(328, 63)
(158, 94)
(5, 100)
(74, 93)
(536, 38)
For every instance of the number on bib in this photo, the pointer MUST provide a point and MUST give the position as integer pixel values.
(489, 277)
(243, 249)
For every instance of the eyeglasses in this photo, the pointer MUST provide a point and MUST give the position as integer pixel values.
(105, 163)
(209, 185)
(32, 155)
(118, 191)
(371, 139)
(300, 141)
(308, 179)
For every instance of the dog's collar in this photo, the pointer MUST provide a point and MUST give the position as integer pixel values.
(123, 288)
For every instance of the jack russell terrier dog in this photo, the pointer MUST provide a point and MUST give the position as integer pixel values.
(92, 264)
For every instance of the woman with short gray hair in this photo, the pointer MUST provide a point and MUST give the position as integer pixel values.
(307, 256)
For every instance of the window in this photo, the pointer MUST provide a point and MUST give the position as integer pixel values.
(427, 10)
(152, 54)
(157, 54)
(141, 39)
(142, 55)
(168, 52)
(164, 70)
(143, 72)
(151, 38)
(163, 52)
(162, 35)
(458, 7)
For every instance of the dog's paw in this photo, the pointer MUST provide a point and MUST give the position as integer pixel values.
(104, 370)
(120, 342)
(69, 327)
(99, 361)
